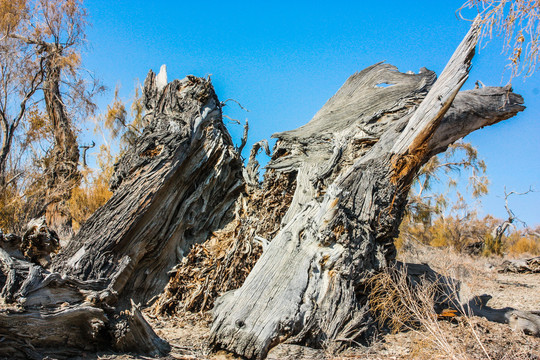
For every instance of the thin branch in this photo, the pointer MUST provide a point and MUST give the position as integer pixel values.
(223, 103)
(15, 177)
(234, 121)
(501, 228)
(244, 137)
(511, 215)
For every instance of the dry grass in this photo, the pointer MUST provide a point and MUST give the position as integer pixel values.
(404, 304)
(431, 334)
(427, 331)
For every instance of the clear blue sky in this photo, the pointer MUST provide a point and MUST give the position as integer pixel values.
(282, 61)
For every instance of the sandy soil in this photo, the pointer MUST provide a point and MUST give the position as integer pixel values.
(462, 338)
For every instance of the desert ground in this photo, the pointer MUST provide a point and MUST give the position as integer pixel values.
(458, 338)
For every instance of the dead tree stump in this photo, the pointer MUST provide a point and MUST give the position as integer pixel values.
(355, 162)
(173, 188)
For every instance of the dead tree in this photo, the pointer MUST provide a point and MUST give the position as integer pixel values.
(351, 168)
(355, 162)
(499, 231)
(85, 149)
(173, 188)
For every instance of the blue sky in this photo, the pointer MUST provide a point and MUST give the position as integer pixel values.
(282, 61)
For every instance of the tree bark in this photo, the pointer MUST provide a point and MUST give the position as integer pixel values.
(173, 188)
(356, 160)
(7, 138)
(61, 171)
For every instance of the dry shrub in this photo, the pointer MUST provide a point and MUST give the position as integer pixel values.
(93, 191)
(12, 206)
(21, 199)
(523, 242)
(224, 261)
(404, 300)
(86, 198)
(412, 305)
(467, 232)
(389, 299)
(525, 245)
(447, 231)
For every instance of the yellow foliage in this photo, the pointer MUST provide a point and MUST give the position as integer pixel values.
(11, 13)
(20, 199)
(525, 245)
(88, 197)
(456, 232)
(11, 209)
(93, 191)
(121, 125)
(492, 246)
(523, 242)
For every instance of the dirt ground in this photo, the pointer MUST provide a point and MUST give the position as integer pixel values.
(462, 338)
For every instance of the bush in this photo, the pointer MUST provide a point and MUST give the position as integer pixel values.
(523, 242)
(88, 197)
(459, 232)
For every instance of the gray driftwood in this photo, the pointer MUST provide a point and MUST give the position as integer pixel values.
(528, 322)
(173, 188)
(355, 162)
(530, 265)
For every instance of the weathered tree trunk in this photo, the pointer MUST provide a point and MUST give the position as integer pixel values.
(8, 130)
(61, 173)
(173, 188)
(356, 160)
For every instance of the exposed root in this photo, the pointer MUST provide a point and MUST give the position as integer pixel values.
(224, 261)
